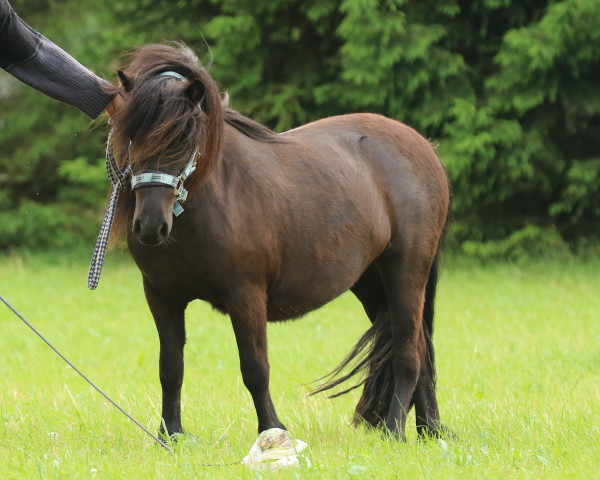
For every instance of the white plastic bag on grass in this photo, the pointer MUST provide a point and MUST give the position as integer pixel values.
(274, 449)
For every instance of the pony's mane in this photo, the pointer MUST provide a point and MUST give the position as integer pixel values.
(176, 116)
(251, 128)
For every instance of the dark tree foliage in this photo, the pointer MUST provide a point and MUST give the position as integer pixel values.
(508, 89)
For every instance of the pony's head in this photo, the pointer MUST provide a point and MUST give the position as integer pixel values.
(171, 119)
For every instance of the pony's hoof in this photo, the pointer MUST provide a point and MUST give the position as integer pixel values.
(396, 435)
(172, 437)
(439, 431)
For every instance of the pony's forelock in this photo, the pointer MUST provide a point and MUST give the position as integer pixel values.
(157, 115)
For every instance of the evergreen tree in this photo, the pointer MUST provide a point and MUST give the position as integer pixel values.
(507, 88)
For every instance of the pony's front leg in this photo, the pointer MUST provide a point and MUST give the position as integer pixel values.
(249, 319)
(169, 319)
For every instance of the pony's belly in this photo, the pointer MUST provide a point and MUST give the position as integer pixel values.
(306, 289)
(286, 307)
(315, 273)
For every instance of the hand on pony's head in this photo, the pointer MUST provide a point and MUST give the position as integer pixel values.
(114, 106)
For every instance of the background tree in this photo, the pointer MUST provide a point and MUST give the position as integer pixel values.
(507, 88)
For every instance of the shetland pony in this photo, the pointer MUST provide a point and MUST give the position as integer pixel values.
(277, 225)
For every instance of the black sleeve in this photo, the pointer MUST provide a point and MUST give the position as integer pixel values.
(38, 62)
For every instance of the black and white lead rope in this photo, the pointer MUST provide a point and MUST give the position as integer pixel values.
(117, 178)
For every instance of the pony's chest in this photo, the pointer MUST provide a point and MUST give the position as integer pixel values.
(175, 268)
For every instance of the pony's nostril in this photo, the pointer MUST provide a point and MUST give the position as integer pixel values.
(137, 227)
(164, 230)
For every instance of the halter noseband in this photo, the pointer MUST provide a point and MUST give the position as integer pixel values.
(147, 177)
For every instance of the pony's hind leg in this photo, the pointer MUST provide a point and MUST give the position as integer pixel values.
(374, 402)
(377, 394)
(170, 323)
(404, 282)
(425, 401)
(249, 320)
(426, 407)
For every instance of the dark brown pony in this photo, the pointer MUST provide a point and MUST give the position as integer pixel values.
(277, 225)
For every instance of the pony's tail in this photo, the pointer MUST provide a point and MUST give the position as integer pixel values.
(372, 357)
(371, 354)
(428, 314)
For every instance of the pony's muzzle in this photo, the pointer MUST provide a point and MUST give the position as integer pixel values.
(153, 216)
(151, 235)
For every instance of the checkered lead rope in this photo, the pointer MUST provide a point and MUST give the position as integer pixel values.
(116, 178)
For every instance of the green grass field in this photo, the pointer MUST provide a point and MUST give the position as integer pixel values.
(518, 352)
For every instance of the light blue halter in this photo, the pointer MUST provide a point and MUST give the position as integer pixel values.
(169, 73)
(147, 177)
(152, 177)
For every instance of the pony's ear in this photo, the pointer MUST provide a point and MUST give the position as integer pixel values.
(125, 81)
(195, 91)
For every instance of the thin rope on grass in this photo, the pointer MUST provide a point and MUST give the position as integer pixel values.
(162, 444)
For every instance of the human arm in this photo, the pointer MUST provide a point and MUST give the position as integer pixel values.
(38, 62)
